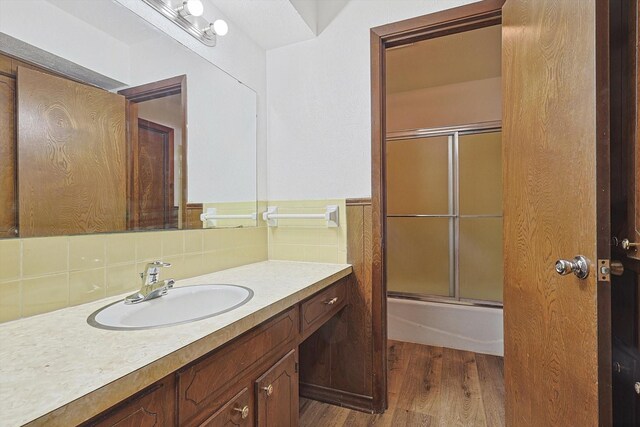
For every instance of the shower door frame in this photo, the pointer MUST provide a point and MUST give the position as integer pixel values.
(453, 132)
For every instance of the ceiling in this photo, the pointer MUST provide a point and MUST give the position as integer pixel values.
(269, 23)
(275, 23)
(456, 58)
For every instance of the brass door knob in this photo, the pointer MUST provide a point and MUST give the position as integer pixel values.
(627, 245)
(244, 411)
(268, 389)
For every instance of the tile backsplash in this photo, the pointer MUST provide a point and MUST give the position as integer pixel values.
(38, 275)
(308, 240)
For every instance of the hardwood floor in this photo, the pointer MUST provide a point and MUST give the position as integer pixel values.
(428, 386)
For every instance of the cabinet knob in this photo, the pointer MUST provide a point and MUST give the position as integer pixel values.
(244, 411)
(268, 389)
(331, 301)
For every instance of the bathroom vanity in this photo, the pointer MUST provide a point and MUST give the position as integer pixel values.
(238, 368)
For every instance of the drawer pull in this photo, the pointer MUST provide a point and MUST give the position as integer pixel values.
(268, 389)
(331, 301)
(244, 411)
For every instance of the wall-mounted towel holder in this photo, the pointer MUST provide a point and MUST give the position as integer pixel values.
(331, 215)
(211, 217)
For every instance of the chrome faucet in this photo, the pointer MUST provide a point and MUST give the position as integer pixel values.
(151, 287)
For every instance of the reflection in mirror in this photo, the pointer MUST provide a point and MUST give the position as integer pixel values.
(96, 136)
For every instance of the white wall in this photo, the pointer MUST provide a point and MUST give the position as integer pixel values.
(45, 26)
(221, 121)
(450, 105)
(319, 106)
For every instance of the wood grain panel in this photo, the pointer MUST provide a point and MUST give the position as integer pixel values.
(71, 157)
(8, 185)
(337, 361)
(551, 132)
(193, 216)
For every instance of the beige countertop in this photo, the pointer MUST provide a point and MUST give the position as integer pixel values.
(55, 369)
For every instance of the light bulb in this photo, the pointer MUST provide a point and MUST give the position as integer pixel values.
(191, 8)
(220, 27)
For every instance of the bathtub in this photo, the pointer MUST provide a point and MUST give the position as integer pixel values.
(471, 328)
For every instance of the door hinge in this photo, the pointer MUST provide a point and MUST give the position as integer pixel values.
(604, 270)
(297, 367)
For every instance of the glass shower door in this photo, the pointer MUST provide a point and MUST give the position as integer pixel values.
(444, 215)
(420, 216)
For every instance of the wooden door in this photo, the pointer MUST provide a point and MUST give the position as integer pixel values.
(8, 208)
(556, 206)
(153, 176)
(277, 394)
(71, 157)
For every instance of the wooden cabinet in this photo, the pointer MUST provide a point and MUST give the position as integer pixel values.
(207, 384)
(277, 394)
(152, 407)
(251, 381)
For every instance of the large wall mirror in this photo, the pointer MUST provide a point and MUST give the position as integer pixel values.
(108, 125)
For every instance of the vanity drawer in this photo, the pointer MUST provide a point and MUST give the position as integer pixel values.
(203, 387)
(315, 311)
(239, 411)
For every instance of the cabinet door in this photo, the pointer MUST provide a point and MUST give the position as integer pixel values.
(277, 394)
(154, 407)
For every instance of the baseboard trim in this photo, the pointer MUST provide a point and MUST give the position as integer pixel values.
(332, 396)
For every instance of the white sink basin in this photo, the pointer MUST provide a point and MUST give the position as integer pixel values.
(180, 305)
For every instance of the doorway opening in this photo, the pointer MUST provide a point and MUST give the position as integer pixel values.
(434, 112)
(156, 134)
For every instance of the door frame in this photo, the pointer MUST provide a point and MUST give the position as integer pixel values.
(160, 89)
(476, 15)
(450, 21)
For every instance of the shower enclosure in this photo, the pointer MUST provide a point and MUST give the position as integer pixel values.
(444, 214)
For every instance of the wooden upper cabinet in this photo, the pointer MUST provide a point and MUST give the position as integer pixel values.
(277, 394)
(72, 160)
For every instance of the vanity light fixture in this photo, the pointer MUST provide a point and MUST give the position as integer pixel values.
(187, 15)
(219, 27)
(191, 8)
